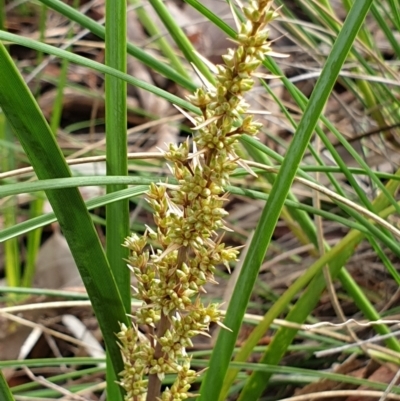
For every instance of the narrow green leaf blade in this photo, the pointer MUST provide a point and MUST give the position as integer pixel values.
(45, 156)
(134, 51)
(40, 221)
(221, 356)
(5, 393)
(74, 58)
(258, 381)
(181, 39)
(117, 213)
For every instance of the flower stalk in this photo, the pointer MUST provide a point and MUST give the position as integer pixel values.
(188, 217)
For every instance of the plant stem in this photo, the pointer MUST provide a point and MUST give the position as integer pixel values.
(154, 387)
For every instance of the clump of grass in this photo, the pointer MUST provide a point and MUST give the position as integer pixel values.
(110, 293)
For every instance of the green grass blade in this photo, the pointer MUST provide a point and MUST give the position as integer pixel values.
(57, 378)
(12, 262)
(321, 374)
(288, 116)
(394, 7)
(304, 221)
(380, 19)
(36, 207)
(283, 337)
(302, 102)
(142, 185)
(212, 17)
(180, 38)
(354, 171)
(27, 226)
(385, 260)
(296, 30)
(298, 314)
(365, 306)
(62, 82)
(117, 213)
(297, 220)
(34, 240)
(309, 299)
(39, 144)
(42, 185)
(28, 187)
(39, 362)
(134, 51)
(71, 182)
(33, 44)
(219, 362)
(279, 306)
(5, 393)
(42, 291)
(335, 257)
(161, 41)
(298, 206)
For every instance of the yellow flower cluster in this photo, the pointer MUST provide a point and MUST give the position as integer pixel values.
(187, 216)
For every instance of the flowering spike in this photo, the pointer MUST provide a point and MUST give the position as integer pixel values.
(186, 246)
